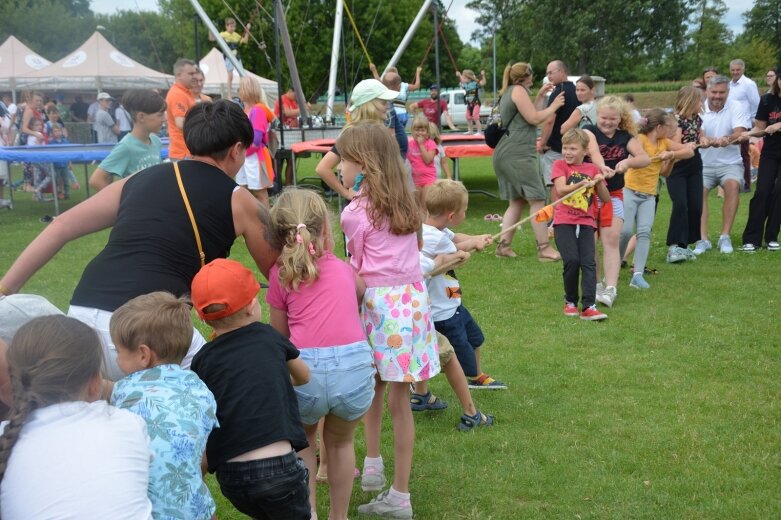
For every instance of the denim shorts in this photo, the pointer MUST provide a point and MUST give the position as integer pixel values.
(273, 488)
(341, 382)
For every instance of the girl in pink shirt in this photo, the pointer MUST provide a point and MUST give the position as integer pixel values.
(314, 301)
(381, 225)
(421, 152)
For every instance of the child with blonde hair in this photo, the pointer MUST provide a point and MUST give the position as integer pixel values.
(421, 154)
(257, 173)
(613, 148)
(471, 86)
(65, 452)
(152, 334)
(573, 223)
(442, 166)
(314, 301)
(381, 225)
(641, 186)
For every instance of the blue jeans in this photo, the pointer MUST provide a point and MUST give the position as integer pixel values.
(463, 332)
(276, 488)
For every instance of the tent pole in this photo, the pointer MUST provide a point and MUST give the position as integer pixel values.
(223, 46)
(408, 37)
(291, 63)
(329, 114)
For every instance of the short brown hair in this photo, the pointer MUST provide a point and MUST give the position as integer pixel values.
(446, 195)
(575, 135)
(158, 320)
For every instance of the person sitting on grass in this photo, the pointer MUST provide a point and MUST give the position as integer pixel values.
(152, 334)
(446, 206)
(140, 149)
(573, 224)
(254, 450)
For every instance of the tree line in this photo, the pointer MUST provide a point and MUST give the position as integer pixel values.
(633, 40)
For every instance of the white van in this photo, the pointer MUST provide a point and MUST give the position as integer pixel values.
(456, 106)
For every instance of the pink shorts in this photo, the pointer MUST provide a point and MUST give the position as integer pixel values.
(473, 113)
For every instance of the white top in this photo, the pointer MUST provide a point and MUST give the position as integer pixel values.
(745, 91)
(78, 460)
(124, 119)
(722, 124)
(444, 290)
(402, 97)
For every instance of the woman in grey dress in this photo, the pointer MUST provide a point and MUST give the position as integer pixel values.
(515, 159)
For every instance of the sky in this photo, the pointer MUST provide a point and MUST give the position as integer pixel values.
(464, 17)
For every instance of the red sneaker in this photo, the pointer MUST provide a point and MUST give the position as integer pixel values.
(592, 314)
(570, 309)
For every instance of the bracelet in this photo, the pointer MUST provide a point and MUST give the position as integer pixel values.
(5, 290)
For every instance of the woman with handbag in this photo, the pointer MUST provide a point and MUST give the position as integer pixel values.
(515, 160)
(167, 221)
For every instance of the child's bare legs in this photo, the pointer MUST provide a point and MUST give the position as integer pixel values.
(457, 380)
(338, 438)
(403, 434)
(630, 248)
(262, 196)
(310, 459)
(611, 257)
(373, 420)
(322, 468)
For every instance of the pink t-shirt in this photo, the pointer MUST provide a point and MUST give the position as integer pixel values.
(323, 313)
(380, 257)
(575, 210)
(422, 174)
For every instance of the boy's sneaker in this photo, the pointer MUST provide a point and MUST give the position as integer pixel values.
(606, 297)
(6, 203)
(701, 246)
(592, 314)
(382, 505)
(570, 309)
(485, 382)
(773, 246)
(373, 479)
(689, 254)
(470, 422)
(638, 282)
(747, 248)
(675, 255)
(725, 244)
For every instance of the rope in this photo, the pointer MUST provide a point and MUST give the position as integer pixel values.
(439, 29)
(355, 28)
(261, 46)
(447, 48)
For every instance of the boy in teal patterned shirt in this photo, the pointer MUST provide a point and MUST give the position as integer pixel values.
(152, 333)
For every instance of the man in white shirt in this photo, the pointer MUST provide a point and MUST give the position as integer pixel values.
(723, 122)
(744, 90)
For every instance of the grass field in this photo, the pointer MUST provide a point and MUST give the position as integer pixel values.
(669, 409)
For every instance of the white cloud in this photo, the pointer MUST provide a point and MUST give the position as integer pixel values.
(112, 6)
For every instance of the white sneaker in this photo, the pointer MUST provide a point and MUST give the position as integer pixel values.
(773, 246)
(725, 244)
(373, 479)
(383, 506)
(608, 296)
(701, 246)
(5, 203)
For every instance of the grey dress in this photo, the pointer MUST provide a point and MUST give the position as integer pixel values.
(515, 157)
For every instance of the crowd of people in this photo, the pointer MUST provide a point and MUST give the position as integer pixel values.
(340, 334)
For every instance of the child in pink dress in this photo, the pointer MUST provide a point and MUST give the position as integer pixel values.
(381, 225)
(421, 153)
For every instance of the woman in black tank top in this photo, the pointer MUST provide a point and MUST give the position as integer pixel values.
(152, 245)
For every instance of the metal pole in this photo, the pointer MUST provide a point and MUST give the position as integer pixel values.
(216, 33)
(408, 37)
(436, 64)
(281, 153)
(291, 63)
(329, 112)
(494, 70)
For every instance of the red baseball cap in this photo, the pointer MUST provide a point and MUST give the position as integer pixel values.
(225, 282)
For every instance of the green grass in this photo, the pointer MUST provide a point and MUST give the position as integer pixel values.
(669, 409)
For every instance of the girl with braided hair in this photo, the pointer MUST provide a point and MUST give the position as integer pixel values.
(65, 452)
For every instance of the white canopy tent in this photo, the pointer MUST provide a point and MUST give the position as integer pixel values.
(216, 78)
(96, 65)
(16, 60)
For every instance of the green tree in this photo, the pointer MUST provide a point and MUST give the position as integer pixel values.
(147, 37)
(710, 37)
(763, 21)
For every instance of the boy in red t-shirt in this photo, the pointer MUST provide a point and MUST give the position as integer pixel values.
(573, 223)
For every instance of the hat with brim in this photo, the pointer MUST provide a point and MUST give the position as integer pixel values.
(104, 95)
(368, 90)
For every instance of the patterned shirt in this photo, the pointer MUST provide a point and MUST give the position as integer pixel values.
(180, 413)
(690, 128)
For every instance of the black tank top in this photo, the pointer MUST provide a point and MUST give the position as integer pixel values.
(613, 150)
(152, 246)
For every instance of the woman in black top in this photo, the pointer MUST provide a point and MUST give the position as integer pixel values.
(152, 245)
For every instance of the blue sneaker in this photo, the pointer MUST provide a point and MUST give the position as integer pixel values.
(638, 282)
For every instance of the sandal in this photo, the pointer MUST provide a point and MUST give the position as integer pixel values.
(547, 258)
(469, 423)
(423, 402)
(503, 249)
(646, 270)
(492, 217)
